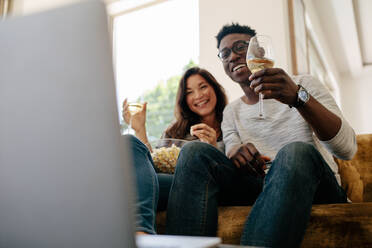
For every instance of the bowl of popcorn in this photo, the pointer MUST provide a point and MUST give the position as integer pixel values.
(165, 153)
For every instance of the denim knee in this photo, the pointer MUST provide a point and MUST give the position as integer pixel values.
(298, 148)
(135, 143)
(192, 157)
(300, 158)
(195, 146)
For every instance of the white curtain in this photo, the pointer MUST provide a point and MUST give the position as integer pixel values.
(5, 7)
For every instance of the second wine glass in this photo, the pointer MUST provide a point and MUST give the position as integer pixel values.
(260, 55)
(133, 108)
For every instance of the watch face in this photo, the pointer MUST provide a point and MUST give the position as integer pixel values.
(303, 95)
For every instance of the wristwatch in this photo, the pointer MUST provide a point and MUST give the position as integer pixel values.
(302, 97)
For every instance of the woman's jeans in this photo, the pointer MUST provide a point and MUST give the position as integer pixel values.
(205, 178)
(152, 188)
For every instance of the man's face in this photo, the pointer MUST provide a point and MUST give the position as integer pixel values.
(235, 65)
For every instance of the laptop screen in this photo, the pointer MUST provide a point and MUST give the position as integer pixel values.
(65, 174)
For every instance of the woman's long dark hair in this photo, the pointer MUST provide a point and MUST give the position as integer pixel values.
(185, 118)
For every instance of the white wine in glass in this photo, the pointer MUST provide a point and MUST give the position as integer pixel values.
(257, 64)
(260, 55)
(133, 108)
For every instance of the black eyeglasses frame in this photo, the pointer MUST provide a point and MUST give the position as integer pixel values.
(233, 49)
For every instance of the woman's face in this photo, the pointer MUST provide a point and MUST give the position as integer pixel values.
(200, 96)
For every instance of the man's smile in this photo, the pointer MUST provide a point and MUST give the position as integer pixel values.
(238, 67)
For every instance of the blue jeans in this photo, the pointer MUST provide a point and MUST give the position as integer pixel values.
(152, 187)
(205, 178)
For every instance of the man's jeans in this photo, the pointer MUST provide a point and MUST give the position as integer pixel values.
(152, 188)
(206, 178)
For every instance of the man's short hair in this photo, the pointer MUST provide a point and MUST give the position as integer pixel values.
(234, 28)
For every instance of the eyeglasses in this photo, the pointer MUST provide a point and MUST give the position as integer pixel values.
(238, 47)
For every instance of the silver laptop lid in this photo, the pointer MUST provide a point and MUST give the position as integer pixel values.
(168, 241)
(64, 173)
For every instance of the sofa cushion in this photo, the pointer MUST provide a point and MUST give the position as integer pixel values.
(362, 162)
(351, 181)
(330, 225)
(231, 221)
(339, 225)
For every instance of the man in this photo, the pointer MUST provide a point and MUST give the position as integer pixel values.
(303, 128)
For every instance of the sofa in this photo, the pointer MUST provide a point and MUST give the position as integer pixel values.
(330, 225)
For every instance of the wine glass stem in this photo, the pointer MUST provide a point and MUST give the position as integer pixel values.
(260, 106)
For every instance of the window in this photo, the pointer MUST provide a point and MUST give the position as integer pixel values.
(317, 62)
(316, 66)
(152, 46)
(307, 51)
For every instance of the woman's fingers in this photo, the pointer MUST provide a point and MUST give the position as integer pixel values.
(144, 107)
(137, 116)
(202, 128)
(204, 138)
(205, 133)
(124, 103)
(125, 114)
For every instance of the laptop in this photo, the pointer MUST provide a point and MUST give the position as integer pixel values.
(66, 176)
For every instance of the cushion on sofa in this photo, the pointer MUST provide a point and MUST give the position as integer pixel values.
(362, 162)
(351, 181)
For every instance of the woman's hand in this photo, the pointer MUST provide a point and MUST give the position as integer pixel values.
(205, 133)
(138, 119)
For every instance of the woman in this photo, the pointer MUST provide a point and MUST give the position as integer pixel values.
(199, 105)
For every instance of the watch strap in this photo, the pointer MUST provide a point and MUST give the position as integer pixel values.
(301, 102)
(296, 103)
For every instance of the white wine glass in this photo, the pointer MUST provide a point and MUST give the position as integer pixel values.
(134, 106)
(260, 55)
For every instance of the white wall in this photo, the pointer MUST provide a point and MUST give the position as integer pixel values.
(357, 101)
(25, 7)
(266, 16)
(331, 18)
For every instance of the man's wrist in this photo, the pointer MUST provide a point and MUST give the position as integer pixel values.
(302, 97)
(295, 102)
